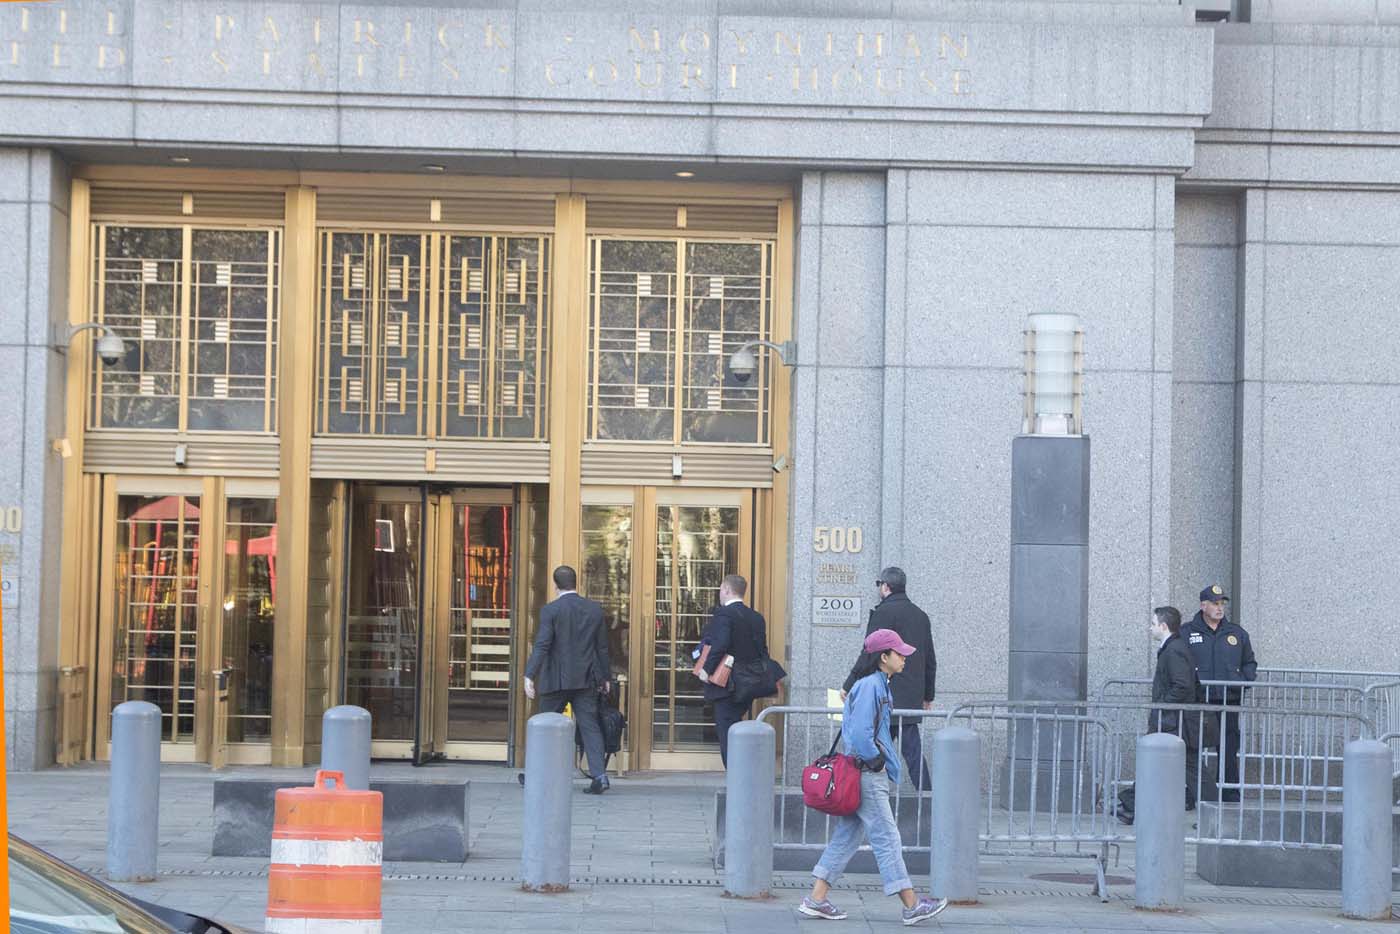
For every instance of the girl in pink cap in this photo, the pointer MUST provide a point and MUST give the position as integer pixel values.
(865, 731)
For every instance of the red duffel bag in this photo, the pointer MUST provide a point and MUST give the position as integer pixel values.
(832, 783)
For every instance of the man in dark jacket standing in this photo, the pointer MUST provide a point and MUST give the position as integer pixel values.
(1222, 652)
(569, 665)
(1174, 681)
(913, 687)
(734, 629)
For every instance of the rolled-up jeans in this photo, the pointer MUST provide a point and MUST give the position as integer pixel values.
(877, 820)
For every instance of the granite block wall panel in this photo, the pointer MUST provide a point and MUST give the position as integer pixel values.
(1051, 507)
(1046, 615)
(1203, 395)
(33, 207)
(1314, 446)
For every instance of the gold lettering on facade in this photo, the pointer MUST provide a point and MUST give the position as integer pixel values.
(686, 43)
(222, 21)
(879, 43)
(733, 75)
(269, 28)
(881, 85)
(313, 62)
(316, 31)
(364, 32)
(741, 40)
(641, 43)
(407, 31)
(857, 79)
(637, 74)
(442, 36)
(690, 72)
(111, 22)
(58, 61)
(359, 65)
(220, 61)
(267, 61)
(928, 82)
(451, 70)
(611, 72)
(797, 77)
(551, 78)
(24, 19)
(794, 44)
(63, 22)
(494, 40)
(14, 52)
(115, 54)
(830, 44)
(911, 46)
(960, 82)
(403, 67)
(945, 42)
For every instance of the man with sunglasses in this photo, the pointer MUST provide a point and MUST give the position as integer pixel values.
(913, 687)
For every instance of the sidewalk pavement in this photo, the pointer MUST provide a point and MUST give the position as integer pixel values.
(641, 861)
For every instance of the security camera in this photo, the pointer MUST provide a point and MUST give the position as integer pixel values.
(110, 349)
(743, 364)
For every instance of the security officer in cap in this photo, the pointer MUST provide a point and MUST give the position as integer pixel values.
(1222, 652)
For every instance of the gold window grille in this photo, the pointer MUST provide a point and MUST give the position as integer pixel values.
(664, 316)
(198, 310)
(435, 335)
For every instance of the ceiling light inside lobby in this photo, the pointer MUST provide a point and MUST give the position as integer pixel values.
(685, 175)
(180, 160)
(433, 167)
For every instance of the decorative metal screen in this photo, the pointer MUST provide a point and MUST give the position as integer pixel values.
(197, 309)
(433, 335)
(664, 316)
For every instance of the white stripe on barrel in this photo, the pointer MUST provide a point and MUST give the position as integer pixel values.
(327, 852)
(323, 926)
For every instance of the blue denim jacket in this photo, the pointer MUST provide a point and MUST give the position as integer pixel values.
(869, 698)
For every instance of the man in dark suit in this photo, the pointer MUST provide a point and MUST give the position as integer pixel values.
(569, 665)
(913, 687)
(735, 630)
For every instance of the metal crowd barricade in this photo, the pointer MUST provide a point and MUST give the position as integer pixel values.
(803, 733)
(1392, 739)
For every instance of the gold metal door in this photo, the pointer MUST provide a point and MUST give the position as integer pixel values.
(430, 620)
(655, 559)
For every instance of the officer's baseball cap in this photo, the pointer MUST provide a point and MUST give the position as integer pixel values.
(1214, 592)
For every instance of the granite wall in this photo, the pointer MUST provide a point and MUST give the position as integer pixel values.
(913, 291)
(33, 272)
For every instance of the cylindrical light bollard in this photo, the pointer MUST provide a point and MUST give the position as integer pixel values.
(1366, 830)
(345, 744)
(549, 767)
(1160, 821)
(748, 814)
(957, 757)
(133, 804)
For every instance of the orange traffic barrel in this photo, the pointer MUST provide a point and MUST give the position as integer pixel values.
(327, 855)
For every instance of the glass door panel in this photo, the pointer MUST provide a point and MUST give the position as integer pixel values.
(156, 588)
(606, 576)
(382, 616)
(249, 595)
(481, 618)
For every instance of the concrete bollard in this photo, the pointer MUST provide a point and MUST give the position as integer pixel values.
(133, 803)
(748, 815)
(957, 757)
(1366, 830)
(549, 769)
(345, 744)
(1160, 820)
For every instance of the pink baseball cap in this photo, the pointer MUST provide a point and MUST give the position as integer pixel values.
(882, 640)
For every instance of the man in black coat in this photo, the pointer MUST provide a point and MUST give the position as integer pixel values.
(913, 687)
(1222, 652)
(569, 665)
(734, 629)
(1174, 681)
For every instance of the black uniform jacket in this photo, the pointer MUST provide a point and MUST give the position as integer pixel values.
(1175, 682)
(1222, 654)
(914, 685)
(733, 630)
(571, 647)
